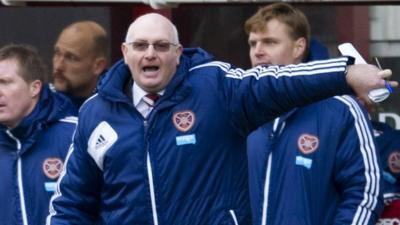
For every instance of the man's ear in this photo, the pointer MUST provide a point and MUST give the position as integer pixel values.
(35, 87)
(179, 51)
(300, 48)
(124, 50)
(100, 64)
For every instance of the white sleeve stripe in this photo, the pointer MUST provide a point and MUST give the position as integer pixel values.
(70, 119)
(234, 75)
(222, 65)
(372, 176)
(313, 68)
(57, 192)
(374, 171)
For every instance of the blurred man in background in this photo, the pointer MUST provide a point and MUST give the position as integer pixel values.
(80, 57)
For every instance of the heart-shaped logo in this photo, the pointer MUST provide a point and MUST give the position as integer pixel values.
(52, 167)
(183, 120)
(307, 143)
(394, 162)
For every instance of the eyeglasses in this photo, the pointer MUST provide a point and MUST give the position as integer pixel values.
(161, 46)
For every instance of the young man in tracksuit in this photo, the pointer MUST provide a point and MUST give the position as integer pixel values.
(180, 159)
(317, 164)
(36, 127)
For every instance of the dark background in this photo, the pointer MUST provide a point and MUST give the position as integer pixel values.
(218, 28)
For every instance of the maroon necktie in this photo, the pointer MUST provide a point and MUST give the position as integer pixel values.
(151, 99)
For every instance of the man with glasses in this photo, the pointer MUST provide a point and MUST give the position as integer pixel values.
(163, 140)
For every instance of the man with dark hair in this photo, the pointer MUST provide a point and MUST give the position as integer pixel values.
(316, 164)
(36, 127)
(80, 57)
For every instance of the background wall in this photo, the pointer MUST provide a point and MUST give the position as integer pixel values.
(218, 28)
(40, 26)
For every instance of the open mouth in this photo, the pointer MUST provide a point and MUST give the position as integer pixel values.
(150, 68)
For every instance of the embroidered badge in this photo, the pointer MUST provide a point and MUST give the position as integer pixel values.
(52, 167)
(307, 143)
(186, 139)
(394, 162)
(183, 120)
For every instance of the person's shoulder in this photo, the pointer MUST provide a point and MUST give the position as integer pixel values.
(261, 132)
(344, 101)
(93, 103)
(198, 60)
(197, 56)
(337, 105)
(386, 130)
(317, 50)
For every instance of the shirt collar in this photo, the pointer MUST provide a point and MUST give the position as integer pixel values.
(138, 93)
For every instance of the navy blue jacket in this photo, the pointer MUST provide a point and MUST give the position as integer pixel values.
(186, 164)
(31, 159)
(316, 165)
(388, 143)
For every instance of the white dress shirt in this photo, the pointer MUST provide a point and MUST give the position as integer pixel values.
(138, 93)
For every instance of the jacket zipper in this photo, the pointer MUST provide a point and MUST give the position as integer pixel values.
(150, 177)
(20, 182)
(268, 171)
(266, 191)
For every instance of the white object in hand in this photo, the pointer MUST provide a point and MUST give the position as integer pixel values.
(376, 95)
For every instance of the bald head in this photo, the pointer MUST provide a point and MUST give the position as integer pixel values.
(152, 22)
(152, 51)
(80, 57)
(89, 32)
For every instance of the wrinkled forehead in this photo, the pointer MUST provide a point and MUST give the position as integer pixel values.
(151, 29)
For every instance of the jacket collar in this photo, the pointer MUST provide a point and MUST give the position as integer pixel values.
(50, 108)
